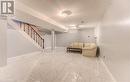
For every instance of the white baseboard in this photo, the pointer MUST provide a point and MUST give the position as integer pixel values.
(108, 71)
(47, 48)
(60, 47)
(23, 56)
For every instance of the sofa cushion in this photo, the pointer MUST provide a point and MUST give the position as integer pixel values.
(80, 45)
(89, 46)
(86, 44)
(77, 45)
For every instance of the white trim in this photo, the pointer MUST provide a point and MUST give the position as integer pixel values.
(107, 70)
(60, 47)
(23, 56)
(48, 48)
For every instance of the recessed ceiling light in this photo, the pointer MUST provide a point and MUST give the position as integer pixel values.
(65, 13)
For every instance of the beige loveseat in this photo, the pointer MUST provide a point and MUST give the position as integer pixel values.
(87, 49)
(76, 45)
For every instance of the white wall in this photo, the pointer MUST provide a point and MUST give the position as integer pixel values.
(65, 39)
(3, 54)
(18, 45)
(115, 39)
(86, 35)
(47, 41)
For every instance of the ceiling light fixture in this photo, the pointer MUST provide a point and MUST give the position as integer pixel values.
(72, 27)
(65, 13)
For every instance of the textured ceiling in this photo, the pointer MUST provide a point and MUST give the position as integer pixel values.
(89, 11)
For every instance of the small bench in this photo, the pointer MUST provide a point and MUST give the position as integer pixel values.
(70, 49)
(75, 47)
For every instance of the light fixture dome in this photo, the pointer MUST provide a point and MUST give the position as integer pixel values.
(65, 13)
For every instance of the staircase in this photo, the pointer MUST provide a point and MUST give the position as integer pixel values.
(32, 31)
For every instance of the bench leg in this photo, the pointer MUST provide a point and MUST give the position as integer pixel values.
(68, 49)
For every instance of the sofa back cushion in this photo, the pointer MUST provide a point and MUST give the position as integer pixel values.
(90, 45)
(77, 45)
(83, 45)
(80, 45)
(86, 44)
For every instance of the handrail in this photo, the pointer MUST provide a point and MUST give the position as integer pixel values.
(27, 28)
